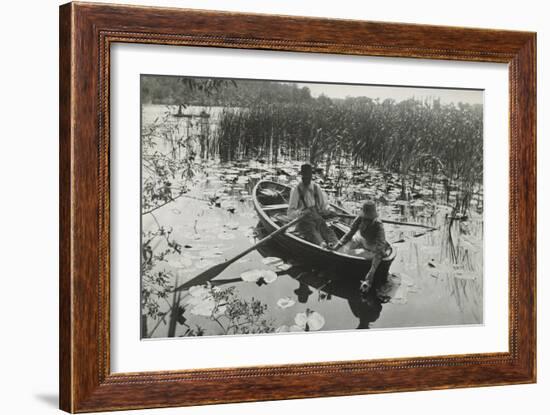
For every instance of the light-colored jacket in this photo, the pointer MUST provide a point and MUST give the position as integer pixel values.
(312, 195)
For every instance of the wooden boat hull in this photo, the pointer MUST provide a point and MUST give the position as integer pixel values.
(306, 252)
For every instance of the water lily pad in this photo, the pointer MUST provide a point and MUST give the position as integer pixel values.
(219, 310)
(405, 279)
(226, 236)
(191, 236)
(284, 267)
(204, 263)
(469, 244)
(201, 302)
(232, 225)
(272, 260)
(433, 265)
(465, 275)
(285, 302)
(211, 253)
(198, 291)
(182, 262)
(205, 308)
(400, 296)
(208, 224)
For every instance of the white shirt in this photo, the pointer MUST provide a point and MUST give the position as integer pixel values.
(295, 204)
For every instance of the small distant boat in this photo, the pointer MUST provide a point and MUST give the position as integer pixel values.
(271, 198)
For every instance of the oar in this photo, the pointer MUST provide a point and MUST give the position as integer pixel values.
(414, 236)
(214, 271)
(392, 222)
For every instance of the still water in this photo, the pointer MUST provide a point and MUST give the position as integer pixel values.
(436, 278)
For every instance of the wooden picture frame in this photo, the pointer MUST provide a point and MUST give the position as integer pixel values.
(86, 33)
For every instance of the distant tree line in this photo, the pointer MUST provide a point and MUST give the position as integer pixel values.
(209, 92)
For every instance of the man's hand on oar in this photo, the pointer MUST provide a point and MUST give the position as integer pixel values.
(214, 271)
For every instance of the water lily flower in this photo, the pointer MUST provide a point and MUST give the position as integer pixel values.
(182, 262)
(251, 276)
(269, 276)
(310, 320)
(256, 275)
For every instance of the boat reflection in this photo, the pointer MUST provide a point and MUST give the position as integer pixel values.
(365, 307)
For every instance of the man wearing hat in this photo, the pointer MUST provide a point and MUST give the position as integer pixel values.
(308, 197)
(371, 239)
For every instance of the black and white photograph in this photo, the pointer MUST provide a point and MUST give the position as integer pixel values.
(281, 206)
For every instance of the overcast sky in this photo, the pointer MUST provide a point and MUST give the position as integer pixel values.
(394, 92)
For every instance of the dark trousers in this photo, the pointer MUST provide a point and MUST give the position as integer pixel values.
(314, 229)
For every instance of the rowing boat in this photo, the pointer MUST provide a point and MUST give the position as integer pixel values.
(271, 203)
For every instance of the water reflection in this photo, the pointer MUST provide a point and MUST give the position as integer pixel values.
(303, 292)
(328, 286)
(365, 307)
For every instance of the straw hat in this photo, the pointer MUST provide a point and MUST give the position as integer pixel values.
(369, 210)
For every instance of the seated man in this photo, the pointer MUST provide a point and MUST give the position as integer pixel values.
(308, 197)
(371, 238)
